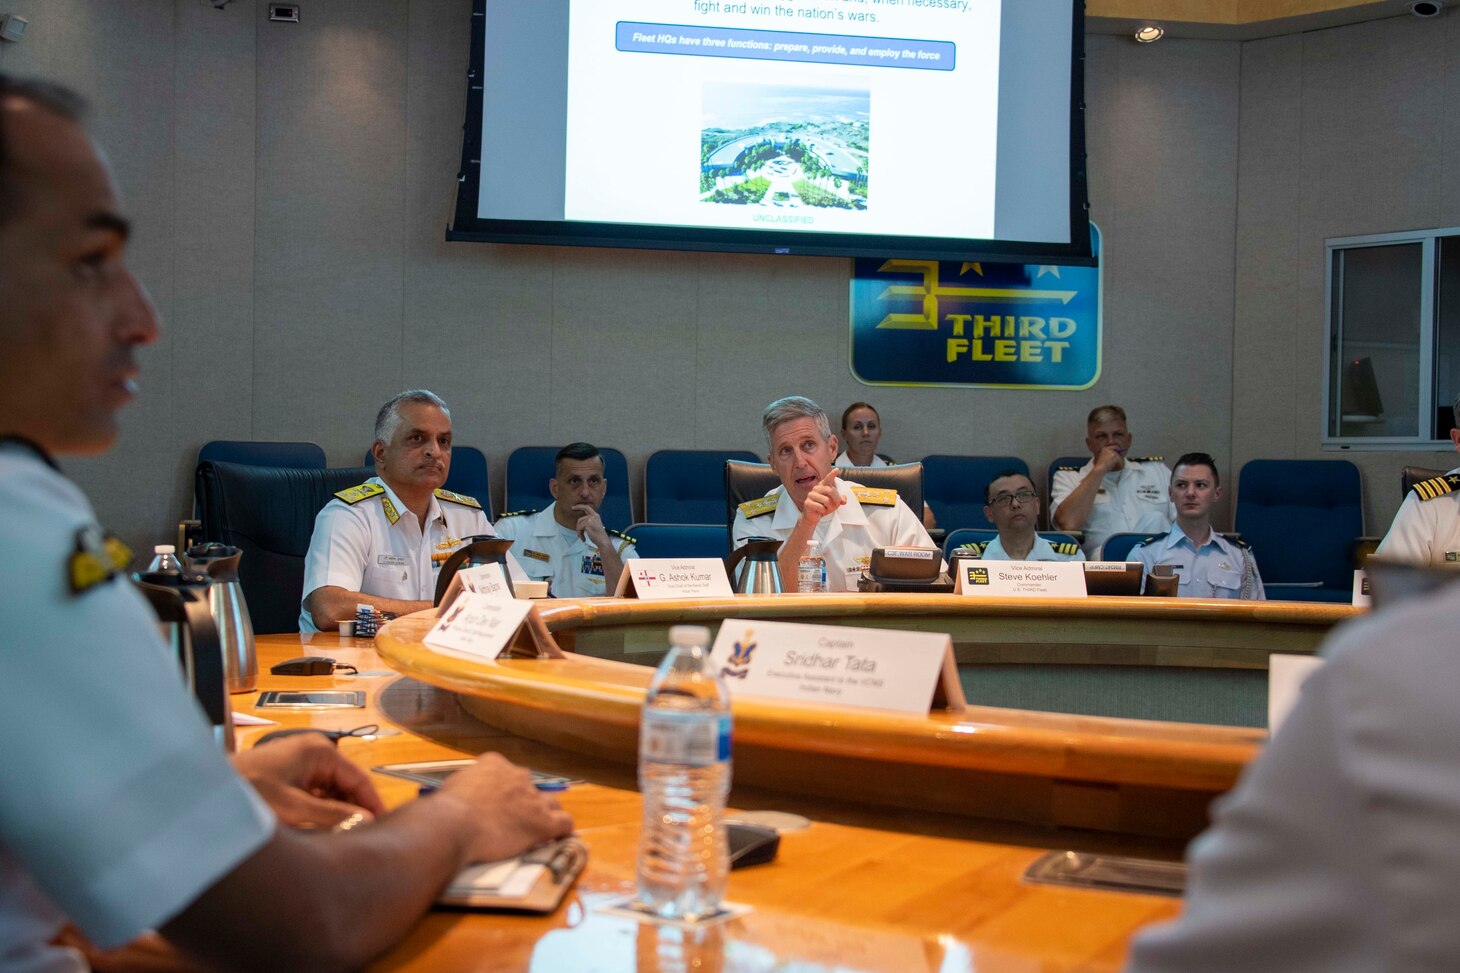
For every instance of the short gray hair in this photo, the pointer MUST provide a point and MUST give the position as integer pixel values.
(794, 407)
(53, 98)
(388, 419)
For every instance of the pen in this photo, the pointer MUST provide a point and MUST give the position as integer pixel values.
(551, 785)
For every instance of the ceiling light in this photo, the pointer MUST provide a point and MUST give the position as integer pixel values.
(1149, 33)
(1426, 8)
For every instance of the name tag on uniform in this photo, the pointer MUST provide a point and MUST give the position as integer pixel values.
(1148, 493)
(392, 560)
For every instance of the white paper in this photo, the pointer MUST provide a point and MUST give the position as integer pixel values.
(675, 577)
(478, 624)
(865, 667)
(248, 719)
(1285, 676)
(485, 579)
(1022, 579)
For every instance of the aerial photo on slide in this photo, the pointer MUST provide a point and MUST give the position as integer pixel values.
(775, 147)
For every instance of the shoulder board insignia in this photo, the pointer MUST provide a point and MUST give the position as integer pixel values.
(1065, 547)
(976, 546)
(1153, 538)
(760, 505)
(1067, 469)
(1437, 487)
(1237, 539)
(874, 496)
(1146, 459)
(887, 459)
(517, 513)
(625, 537)
(97, 559)
(362, 492)
(460, 498)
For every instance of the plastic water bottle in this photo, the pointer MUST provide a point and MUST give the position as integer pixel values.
(164, 558)
(684, 777)
(811, 570)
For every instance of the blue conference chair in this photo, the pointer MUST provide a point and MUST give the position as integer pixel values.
(953, 486)
(687, 486)
(1118, 546)
(680, 540)
(1302, 518)
(294, 456)
(530, 467)
(981, 538)
(468, 476)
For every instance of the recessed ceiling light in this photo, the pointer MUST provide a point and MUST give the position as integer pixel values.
(1426, 8)
(1149, 33)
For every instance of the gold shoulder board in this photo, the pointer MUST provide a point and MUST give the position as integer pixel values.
(1437, 487)
(760, 505)
(1146, 459)
(460, 498)
(517, 513)
(874, 496)
(362, 492)
(975, 547)
(1066, 547)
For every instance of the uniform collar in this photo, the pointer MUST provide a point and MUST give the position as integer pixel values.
(433, 512)
(546, 524)
(849, 514)
(24, 445)
(1035, 552)
(1178, 538)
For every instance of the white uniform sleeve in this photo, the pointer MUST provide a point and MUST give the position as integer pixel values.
(1062, 486)
(339, 549)
(113, 796)
(743, 529)
(1412, 532)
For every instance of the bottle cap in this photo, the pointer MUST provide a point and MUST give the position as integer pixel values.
(689, 635)
(164, 549)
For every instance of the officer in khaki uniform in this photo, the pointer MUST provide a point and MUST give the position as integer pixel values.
(846, 520)
(566, 544)
(383, 542)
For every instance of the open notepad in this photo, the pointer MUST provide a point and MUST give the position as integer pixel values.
(532, 882)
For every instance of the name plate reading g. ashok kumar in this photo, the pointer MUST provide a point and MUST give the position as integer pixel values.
(873, 668)
(673, 577)
(1022, 579)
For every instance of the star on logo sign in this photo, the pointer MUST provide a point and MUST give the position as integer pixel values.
(1048, 269)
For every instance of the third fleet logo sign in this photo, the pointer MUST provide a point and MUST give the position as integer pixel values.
(922, 322)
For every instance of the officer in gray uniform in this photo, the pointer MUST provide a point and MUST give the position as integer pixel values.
(1207, 564)
(118, 813)
(566, 544)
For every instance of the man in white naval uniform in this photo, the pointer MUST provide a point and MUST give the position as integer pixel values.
(1113, 493)
(847, 520)
(382, 543)
(566, 543)
(1426, 530)
(118, 811)
(1207, 564)
(1013, 507)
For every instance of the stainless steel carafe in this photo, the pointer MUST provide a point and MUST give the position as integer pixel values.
(760, 573)
(180, 600)
(230, 612)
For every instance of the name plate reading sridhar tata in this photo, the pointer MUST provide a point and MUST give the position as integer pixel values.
(673, 577)
(873, 668)
(1022, 579)
(477, 624)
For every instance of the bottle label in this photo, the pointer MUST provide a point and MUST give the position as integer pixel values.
(696, 739)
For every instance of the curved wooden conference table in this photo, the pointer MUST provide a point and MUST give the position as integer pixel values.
(867, 886)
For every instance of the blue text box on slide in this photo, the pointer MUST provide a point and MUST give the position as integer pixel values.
(781, 45)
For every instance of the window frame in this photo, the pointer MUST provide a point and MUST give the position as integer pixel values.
(1333, 337)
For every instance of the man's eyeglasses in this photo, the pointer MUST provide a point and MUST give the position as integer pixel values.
(1004, 499)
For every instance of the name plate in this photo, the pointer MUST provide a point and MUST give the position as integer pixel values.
(1022, 579)
(477, 624)
(484, 579)
(673, 577)
(872, 668)
(1362, 597)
